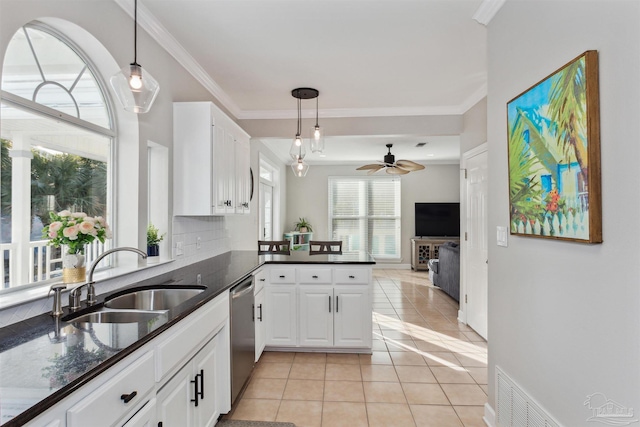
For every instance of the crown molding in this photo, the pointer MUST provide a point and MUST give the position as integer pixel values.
(163, 37)
(350, 112)
(487, 10)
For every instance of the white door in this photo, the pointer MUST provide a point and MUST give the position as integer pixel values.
(476, 245)
(261, 326)
(266, 212)
(352, 316)
(316, 316)
(207, 411)
(281, 315)
(174, 400)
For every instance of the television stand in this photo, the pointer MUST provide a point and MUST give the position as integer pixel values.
(425, 248)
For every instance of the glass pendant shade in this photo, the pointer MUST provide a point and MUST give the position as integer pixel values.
(317, 139)
(297, 151)
(135, 88)
(299, 168)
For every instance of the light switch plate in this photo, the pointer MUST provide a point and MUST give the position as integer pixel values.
(179, 248)
(501, 236)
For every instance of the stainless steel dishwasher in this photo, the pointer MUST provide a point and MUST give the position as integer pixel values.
(243, 335)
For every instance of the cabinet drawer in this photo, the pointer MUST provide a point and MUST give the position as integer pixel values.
(352, 275)
(282, 275)
(106, 405)
(260, 279)
(314, 275)
(203, 324)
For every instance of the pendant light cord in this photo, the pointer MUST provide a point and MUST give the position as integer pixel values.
(299, 116)
(317, 111)
(135, 32)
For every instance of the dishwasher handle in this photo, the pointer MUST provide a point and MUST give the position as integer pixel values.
(242, 289)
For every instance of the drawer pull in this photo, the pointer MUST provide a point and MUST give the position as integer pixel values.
(337, 302)
(314, 276)
(329, 303)
(262, 280)
(282, 277)
(352, 277)
(126, 398)
(260, 309)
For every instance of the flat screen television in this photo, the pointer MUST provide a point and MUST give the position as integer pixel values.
(437, 219)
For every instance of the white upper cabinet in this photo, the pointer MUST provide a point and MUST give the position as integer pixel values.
(211, 161)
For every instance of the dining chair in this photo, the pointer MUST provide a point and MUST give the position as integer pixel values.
(280, 247)
(325, 247)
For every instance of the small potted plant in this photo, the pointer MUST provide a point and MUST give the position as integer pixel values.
(303, 226)
(153, 239)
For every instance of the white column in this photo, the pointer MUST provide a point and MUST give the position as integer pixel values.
(20, 209)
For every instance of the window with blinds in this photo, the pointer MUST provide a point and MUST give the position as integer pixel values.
(364, 213)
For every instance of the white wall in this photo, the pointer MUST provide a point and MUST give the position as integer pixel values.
(308, 197)
(564, 318)
(474, 127)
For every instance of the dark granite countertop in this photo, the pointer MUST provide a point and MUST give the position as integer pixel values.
(43, 360)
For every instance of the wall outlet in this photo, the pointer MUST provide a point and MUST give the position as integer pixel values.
(198, 243)
(179, 248)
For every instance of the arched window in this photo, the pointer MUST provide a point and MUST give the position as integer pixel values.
(56, 130)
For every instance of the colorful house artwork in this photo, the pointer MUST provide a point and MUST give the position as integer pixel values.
(551, 156)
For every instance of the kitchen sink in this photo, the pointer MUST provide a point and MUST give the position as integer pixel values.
(115, 316)
(154, 299)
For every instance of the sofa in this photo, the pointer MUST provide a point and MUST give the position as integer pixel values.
(447, 273)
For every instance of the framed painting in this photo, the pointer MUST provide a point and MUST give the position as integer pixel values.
(554, 155)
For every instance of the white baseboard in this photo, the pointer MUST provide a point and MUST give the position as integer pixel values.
(489, 415)
(461, 317)
(393, 266)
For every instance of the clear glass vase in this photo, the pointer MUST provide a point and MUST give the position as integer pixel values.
(74, 269)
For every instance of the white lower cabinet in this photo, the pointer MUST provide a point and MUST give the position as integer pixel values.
(189, 398)
(335, 316)
(281, 315)
(261, 326)
(318, 307)
(145, 417)
(120, 396)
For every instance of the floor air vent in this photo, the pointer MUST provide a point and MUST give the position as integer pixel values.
(515, 408)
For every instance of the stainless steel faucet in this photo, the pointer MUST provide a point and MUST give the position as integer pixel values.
(76, 293)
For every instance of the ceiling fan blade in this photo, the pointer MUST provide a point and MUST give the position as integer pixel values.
(409, 165)
(397, 171)
(372, 171)
(372, 166)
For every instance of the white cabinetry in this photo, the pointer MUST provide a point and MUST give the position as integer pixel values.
(145, 417)
(189, 399)
(260, 298)
(119, 396)
(211, 161)
(318, 307)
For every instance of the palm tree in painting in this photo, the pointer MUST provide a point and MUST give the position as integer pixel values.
(567, 110)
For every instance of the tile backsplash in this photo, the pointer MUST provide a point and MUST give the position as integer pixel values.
(201, 237)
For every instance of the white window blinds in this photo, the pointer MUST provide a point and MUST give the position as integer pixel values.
(364, 213)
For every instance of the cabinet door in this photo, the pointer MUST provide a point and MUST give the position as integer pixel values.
(280, 309)
(218, 174)
(316, 316)
(229, 153)
(352, 316)
(261, 330)
(243, 182)
(204, 373)
(145, 417)
(174, 400)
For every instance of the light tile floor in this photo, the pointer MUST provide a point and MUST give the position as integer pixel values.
(426, 370)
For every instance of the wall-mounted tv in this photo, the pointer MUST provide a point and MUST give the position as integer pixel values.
(437, 219)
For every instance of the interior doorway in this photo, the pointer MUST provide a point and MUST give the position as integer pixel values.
(474, 286)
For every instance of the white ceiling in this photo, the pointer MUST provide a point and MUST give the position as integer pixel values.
(366, 57)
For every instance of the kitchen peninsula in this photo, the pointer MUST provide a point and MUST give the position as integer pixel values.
(56, 373)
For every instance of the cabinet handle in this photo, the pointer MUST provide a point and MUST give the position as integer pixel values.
(314, 276)
(337, 302)
(262, 280)
(282, 277)
(352, 277)
(126, 398)
(202, 384)
(329, 303)
(196, 393)
(253, 312)
(260, 308)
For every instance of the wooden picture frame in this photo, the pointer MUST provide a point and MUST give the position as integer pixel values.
(553, 138)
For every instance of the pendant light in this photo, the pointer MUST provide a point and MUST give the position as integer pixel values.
(317, 135)
(298, 150)
(300, 168)
(134, 87)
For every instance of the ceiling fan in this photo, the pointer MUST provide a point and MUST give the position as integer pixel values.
(400, 167)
